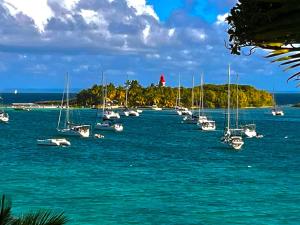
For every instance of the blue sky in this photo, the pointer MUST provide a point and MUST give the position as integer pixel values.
(41, 40)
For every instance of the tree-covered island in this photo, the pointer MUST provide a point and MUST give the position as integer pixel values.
(215, 96)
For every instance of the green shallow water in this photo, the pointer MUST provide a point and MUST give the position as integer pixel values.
(158, 171)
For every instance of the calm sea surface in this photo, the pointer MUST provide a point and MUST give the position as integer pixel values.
(158, 171)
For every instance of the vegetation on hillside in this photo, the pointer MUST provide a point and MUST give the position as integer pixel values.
(215, 96)
(268, 24)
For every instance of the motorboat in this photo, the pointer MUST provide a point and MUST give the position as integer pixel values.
(249, 130)
(4, 117)
(54, 142)
(208, 125)
(277, 112)
(109, 126)
(111, 115)
(156, 108)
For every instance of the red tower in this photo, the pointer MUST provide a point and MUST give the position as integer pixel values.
(162, 81)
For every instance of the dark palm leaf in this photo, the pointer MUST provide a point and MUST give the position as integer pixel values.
(41, 218)
(269, 24)
(5, 214)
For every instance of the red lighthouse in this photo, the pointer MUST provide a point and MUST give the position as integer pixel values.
(162, 81)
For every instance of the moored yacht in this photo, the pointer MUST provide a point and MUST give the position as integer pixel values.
(69, 128)
(107, 116)
(276, 111)
(249, 130)
(109, 126)
(4, 117)
(54, 142)
(232, 137)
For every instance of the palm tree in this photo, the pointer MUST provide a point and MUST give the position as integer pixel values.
(34, 218)
(268, 24)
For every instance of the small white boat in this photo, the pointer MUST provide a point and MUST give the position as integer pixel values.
(4, 117)
(111, 115)
(277, 112)
(139, 111)
(75, 130)
(202, 119)
(126, 112)
(156, 108)
(184, 112)
(109, 126)
(133, 113)
(99, 136)
(190, 119)
(54, 142)
(250, 130)
(236, 142)
(208, 125)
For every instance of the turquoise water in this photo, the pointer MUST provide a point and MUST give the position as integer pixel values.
(158, 171)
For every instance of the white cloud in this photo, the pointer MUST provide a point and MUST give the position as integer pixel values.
(142, 8)
(29, 8)
(197, 35)
(91, 16)
(171, 32)
(146, 33)
(221, 19)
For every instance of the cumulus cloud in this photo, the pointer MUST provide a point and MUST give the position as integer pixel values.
(221, 19)
(87, 34)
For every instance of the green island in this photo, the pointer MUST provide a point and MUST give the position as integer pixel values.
(215, 96)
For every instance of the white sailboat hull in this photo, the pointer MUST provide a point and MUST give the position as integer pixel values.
(236, 142)
(108, 127)
(78, 131)
(277, 113)
(208, 125)
(250, 133)
(111, 115)
(4, 117)
(54, 142)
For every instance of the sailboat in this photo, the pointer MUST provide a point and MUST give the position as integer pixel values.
(232, 136)
(108, 114)
(107, 124)
(69, 128)
(203, 122)
(275, 110)
(3, 115)
(181, 111)
(249, 130)
(191, 119)
(127, 111)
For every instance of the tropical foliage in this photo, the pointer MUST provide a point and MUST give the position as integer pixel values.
(215, 96)
(34, 218)
(268, 24)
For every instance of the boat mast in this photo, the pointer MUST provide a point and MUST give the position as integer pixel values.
(68, 103)
(179, 97)
(228, 100)
(237, 101)
(193, 92)
(103, 93)
(202, 94)
(61, 107)
(126, 95)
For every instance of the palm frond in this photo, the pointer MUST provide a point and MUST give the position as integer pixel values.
(41, 218)
(5, 213)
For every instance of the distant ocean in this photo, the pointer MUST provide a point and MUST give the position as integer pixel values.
(281, 98)
(9, 98)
